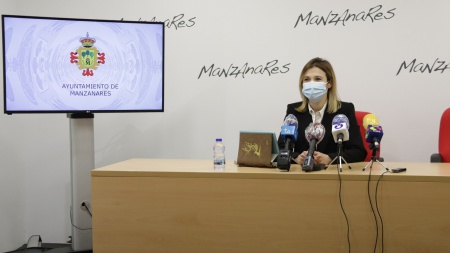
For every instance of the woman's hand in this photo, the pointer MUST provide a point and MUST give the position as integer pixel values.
(319, 158)
(300, 158)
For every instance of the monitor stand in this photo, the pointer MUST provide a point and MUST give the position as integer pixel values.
(82, 161)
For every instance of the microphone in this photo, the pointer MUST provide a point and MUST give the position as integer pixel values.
(374, 132)
(370, 119)
(340, 118)
(289, 133)
(289, 129)
(339, 128)
(314, 133)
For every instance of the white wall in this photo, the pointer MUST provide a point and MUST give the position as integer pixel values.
(12, 171)
(34, 151)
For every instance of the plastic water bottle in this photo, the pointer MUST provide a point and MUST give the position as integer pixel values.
(219, 155)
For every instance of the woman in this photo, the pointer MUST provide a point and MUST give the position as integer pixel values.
(320, 104)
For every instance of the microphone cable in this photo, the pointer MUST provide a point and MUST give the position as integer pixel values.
(378, 210)
(73, 225)
(342, 206)
(85, 205)
(373, 211)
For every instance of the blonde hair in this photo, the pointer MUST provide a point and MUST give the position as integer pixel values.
(334, 102)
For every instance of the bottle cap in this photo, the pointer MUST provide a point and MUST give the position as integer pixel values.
(219, 139)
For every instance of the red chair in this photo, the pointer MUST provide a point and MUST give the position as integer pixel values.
(444, 140)
(359, 118)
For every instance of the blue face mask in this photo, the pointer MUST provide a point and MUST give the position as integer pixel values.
(314, 91)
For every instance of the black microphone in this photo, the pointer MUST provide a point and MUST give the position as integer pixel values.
(314, 133)
(374, 132)
(289, 132)
(373, 136)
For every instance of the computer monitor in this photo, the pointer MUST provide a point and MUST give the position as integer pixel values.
(68, 65)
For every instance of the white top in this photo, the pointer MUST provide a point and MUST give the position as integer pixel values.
(317, 116)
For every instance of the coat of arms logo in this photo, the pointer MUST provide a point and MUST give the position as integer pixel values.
(87, 57)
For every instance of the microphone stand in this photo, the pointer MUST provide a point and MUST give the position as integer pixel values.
(374, 148)
(339, 157)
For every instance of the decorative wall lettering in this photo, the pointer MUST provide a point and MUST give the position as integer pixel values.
(414, 66)
(270, 68)
(177, 22)
(335, 18)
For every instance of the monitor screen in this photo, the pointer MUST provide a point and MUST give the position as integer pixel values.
(65, 65)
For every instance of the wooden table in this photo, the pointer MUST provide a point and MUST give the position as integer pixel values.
(157, 205)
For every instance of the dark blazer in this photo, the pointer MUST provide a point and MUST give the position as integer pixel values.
(352, 151)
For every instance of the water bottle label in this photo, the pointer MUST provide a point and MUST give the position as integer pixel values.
(219, 162)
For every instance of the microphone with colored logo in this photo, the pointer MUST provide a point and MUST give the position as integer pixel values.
(289, 133)
(374, 132)
(289, 129)
(339, 128)
(314, 133)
